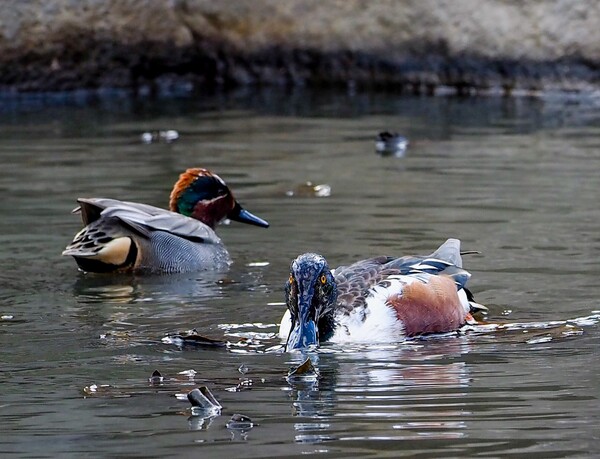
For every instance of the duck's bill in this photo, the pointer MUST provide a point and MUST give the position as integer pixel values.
(302, 336)
(239, 214)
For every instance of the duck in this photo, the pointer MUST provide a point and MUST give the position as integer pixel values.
(391, 143)
(377, 300)
(123, 236)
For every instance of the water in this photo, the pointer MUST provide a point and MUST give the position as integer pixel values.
(515, 179)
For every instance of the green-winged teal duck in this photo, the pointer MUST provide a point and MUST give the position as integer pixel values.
(128, 236)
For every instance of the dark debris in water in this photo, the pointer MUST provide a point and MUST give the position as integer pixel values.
(305, 371)
(192, 337)
(202, 398)
(244, 384)
(240, 422)
(156, 383)
(156, 377)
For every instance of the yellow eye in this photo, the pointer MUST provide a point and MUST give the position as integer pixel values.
(291, 279)
(323, 279)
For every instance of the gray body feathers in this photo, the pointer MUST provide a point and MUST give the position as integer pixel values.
(164, 241)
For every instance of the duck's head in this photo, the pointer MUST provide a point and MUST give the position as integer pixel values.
(202, 195)
(311, 294)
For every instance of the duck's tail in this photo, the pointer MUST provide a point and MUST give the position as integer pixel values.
(449, 251)
(475, 307)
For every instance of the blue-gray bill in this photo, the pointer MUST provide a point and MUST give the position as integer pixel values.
(302, 336)
(240, 214)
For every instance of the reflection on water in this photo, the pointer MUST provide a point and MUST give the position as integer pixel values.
(137, 289)
(420, 392)
(515, 179)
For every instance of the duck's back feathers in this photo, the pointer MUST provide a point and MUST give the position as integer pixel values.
(143, 219)
(426, 294)
(354, 281)
(91, 208)
(121, 235)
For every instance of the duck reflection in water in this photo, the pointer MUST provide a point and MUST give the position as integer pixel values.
(414, 389)
(118, 302)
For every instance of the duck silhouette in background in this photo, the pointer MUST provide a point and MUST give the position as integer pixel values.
(391, 144)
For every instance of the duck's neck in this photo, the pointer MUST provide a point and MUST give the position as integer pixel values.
(326, 326)
(207, 213)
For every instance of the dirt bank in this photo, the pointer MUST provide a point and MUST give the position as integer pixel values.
(423, 46)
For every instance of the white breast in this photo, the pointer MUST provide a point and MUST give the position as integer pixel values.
(377, 323)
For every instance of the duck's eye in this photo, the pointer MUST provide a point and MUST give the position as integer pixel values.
(323, 279)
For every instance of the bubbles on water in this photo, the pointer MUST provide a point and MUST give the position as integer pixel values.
(590, 320)
(539, 339)
(189, 373)
(97, 389)
(310, 190)
(258, 264)
(167, 136)
(245, 383)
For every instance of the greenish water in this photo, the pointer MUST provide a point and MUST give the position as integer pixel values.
(516, 179)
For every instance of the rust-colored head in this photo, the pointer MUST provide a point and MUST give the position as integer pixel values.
(202, 195)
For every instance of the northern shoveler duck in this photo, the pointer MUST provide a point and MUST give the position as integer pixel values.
(391, 143)
(128, 236)
(381, 299)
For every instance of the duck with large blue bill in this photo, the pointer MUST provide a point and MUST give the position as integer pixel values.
(377, 300)
(122, 236)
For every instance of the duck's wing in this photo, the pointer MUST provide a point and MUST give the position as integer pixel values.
(445, 260)
(449, 252)
(143, 219)
(91, 208)
(354, 281)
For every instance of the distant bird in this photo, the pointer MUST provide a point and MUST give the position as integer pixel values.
(129, 236)
(391, 143)
(383, 299)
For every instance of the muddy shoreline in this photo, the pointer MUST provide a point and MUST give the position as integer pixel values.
(430, 47)
(166, 68)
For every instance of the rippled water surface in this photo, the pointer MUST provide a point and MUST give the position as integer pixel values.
(517, 180)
